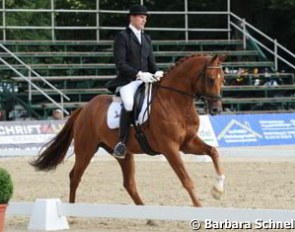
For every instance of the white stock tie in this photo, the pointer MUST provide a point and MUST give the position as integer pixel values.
(139, 36)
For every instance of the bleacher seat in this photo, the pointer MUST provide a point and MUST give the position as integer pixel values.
(81, 68)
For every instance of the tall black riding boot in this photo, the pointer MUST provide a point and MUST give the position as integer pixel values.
(125, 121)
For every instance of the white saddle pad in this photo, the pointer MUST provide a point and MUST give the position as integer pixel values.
(114, 111)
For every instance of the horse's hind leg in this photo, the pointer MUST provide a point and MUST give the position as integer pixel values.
(83, 155)
(128, 170)
(199, 147)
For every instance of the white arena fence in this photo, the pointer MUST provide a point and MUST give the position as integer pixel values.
(50, 214)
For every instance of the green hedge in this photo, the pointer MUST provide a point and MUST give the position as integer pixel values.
(6, 186)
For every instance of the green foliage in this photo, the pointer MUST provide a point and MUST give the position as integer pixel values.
(274, 17)
(6, 186)
(282, 21)
(27, 19)
(287, 5)
(21, 4)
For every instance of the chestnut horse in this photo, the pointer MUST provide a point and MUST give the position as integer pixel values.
(172, 127)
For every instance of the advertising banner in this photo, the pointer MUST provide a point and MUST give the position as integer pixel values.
(222, 131)
(254, 129)
(31, 135)
(19, 135)
(206, 132)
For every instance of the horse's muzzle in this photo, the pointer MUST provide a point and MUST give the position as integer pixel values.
(215, 107)
(215, 110)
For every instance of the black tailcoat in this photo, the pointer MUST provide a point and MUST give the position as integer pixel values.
(131, 57)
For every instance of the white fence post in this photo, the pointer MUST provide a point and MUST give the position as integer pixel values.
(46, 216)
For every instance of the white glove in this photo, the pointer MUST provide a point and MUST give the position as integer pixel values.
(158, 75)
(146, 77)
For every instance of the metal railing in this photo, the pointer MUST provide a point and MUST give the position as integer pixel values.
(233, 22)
(31, 84)
(53, 27)
(245, 28)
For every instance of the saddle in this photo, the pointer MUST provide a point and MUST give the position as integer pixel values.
(141, 109)
(139, 98)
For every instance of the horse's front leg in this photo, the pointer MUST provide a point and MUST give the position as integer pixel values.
(176, 162)
(128, 170)
(199, 147)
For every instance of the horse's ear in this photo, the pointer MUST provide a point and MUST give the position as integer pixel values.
(214, 58)
(220, 58)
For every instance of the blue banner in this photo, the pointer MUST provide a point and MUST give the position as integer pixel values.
(254, 130)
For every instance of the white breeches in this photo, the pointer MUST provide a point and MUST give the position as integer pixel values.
(127, 93)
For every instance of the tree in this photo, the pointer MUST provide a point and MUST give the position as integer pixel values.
(27, 19)
(276, 18)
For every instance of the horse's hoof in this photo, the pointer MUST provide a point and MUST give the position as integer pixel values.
(216, 192)
(151, 223)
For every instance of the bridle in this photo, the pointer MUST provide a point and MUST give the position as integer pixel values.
(202, 97)
(207, 97)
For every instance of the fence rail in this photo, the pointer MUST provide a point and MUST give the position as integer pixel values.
(245, 28)
(40, 210)
(28, 79)
(52, 25)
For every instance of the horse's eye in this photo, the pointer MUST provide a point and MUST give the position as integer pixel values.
(211, 81)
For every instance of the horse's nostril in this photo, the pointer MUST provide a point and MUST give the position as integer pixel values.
(214, 111)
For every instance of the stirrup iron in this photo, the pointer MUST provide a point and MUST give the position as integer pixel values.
(120, 151)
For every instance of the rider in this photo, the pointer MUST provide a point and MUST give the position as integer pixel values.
(135, 63)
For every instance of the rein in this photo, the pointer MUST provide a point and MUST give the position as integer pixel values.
(176, 90)
(202, 97)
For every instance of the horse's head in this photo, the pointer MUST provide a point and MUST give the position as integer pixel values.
(209, 83)
(197, 75)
